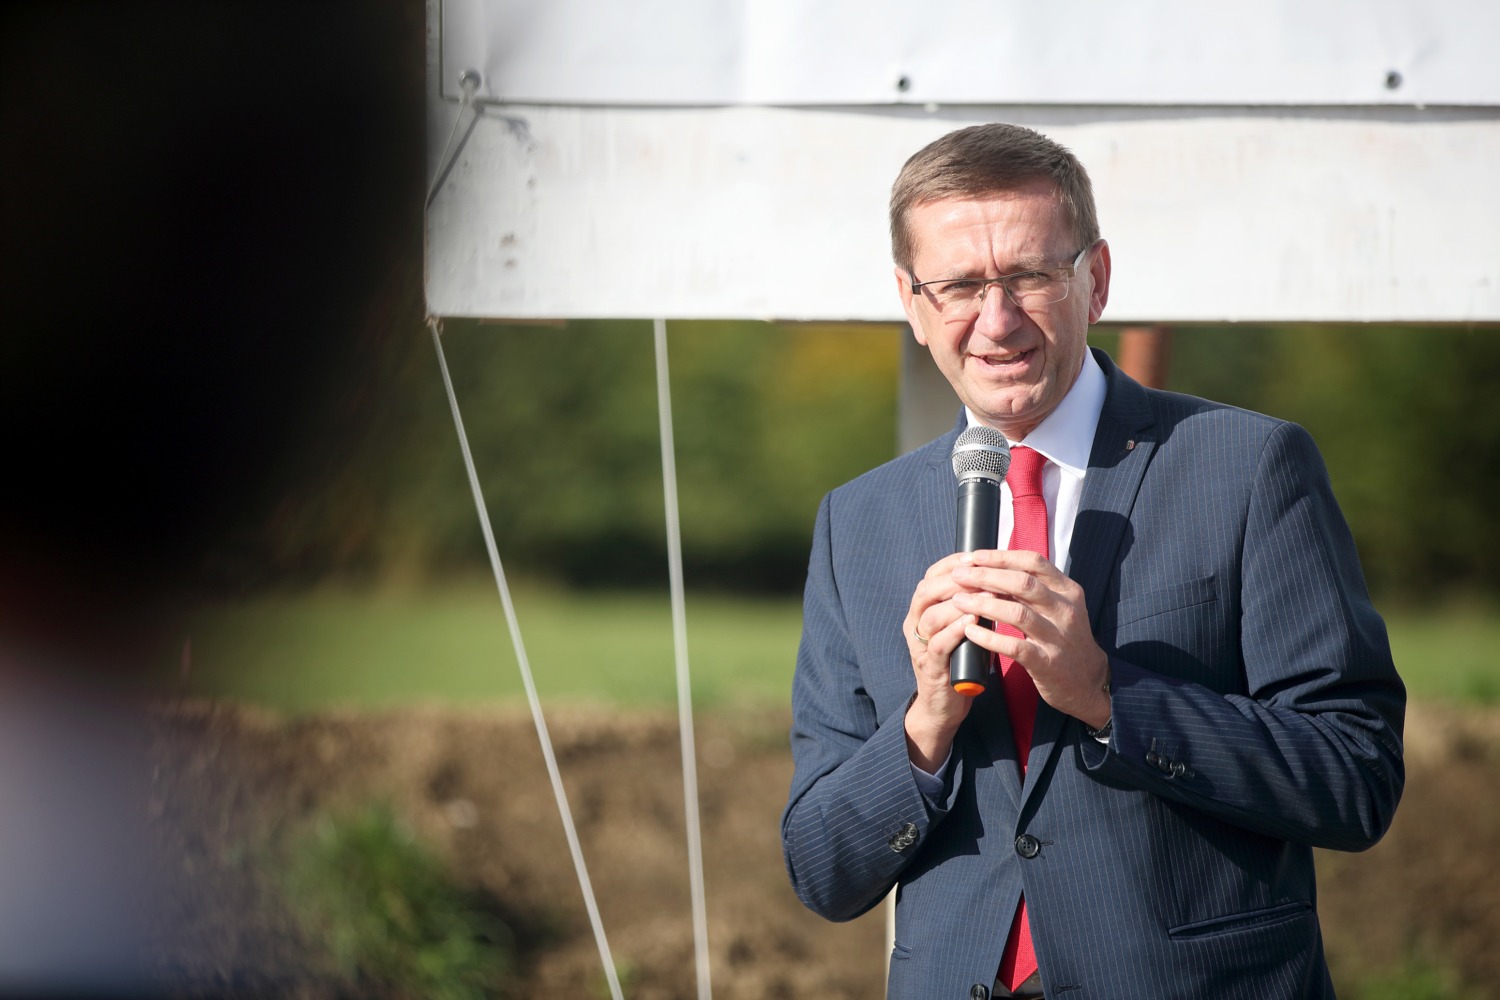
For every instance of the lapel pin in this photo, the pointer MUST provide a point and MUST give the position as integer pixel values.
(1130, 445)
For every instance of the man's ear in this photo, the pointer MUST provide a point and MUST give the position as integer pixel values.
(909, 304)
(1099, 270)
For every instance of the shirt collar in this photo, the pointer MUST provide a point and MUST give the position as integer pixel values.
(1066, 436)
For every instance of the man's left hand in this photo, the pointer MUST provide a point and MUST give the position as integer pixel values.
(1057, 647)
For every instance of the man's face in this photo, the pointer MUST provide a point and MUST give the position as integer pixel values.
(1010, 366)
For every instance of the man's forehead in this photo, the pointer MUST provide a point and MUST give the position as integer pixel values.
(1041, 200)
(1027, 228)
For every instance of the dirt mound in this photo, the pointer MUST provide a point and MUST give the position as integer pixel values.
(233, 789)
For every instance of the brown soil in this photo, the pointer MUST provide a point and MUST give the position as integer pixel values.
(234, 788)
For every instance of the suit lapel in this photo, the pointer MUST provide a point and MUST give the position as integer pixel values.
(937, 501)
(1123, 445)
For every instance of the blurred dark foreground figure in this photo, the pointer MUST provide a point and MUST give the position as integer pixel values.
(204, 204)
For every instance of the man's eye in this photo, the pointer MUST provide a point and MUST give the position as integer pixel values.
(962, 287)
(1030, 281)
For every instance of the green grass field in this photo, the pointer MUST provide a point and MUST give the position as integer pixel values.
(1449, 655)
(451, 645)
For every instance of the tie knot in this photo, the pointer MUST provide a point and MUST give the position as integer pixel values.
(1025, 474)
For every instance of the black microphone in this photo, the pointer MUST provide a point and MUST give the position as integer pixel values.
(980, 458)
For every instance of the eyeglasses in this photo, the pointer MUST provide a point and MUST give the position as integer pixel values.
(1027, 289)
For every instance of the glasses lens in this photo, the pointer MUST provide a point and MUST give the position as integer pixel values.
(955, 296)
(1038, 288)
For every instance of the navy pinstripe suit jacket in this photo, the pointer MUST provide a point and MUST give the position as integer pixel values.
(1257, 715)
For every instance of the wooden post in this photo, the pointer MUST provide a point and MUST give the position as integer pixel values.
(1146, 354)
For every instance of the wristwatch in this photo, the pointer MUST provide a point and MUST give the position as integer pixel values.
(1102, 733)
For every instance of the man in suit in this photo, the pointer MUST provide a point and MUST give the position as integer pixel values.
(1184, 643)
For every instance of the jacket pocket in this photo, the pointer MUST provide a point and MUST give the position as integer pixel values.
(1248, 920)
(1187, 594)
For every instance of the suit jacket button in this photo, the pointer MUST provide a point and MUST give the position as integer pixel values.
(1153, 758)
(1028, 846)
(903, 838)
(979, 991)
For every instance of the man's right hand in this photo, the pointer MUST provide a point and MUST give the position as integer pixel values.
(934, 629)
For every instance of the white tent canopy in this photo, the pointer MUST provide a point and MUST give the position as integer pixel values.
(1275, 161)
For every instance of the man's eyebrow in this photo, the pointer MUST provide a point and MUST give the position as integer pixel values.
(1018, 266)
(1036, 263)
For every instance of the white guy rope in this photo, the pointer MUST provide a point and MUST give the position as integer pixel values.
(684, 681)
(531, 697)
(469, 83)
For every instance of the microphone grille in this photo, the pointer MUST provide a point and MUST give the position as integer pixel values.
(981, 451)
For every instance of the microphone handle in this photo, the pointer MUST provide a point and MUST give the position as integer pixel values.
(978, 527)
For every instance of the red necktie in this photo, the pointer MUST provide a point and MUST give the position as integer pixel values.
(1030, 532)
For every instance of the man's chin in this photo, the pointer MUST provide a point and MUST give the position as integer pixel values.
(1014, 414)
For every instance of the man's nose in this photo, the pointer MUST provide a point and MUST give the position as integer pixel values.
(998, 315)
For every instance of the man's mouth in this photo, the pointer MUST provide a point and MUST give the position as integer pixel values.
(1002, 361)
